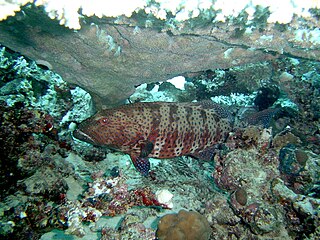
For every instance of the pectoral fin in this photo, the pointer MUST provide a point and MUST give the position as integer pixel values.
(142, 164)
(146, 148)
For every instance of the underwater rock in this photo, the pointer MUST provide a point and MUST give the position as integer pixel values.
(241, 196)
(223, 82)
(264, 220)
(260, 217)
(285, 138)
(231, 176)
(45, 182)
(10, 88)
(76, 214)
(300, 210)
(24, 82)
(298, 169)
(289, 163)
(242, 79)
(132, 46)
(130, 226)
(24, 136)
(306, 98)
(250, 195)
(218, 211)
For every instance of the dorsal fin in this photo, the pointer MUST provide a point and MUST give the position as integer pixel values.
(221, 110)
(146, 148)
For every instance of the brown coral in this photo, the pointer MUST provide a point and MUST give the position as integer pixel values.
(184, 225)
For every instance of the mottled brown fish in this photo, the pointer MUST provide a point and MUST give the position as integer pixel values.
(158, 130)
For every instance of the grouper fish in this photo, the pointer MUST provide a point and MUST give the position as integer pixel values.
(158, 130)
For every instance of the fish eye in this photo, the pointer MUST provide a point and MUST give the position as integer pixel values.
(103, 121)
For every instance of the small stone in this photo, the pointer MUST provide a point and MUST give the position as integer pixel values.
(241, 196)
(301, 156)
(23, 215)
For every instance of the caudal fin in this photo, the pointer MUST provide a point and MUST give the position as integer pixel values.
(262, 118)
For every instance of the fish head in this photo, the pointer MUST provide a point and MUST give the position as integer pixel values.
(112, 129)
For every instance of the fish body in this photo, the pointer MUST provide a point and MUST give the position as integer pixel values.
(158, 130)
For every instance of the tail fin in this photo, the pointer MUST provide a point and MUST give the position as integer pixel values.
(252, 117)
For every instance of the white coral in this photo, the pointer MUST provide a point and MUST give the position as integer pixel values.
(9, 8)
(68, 12)
(164, 196)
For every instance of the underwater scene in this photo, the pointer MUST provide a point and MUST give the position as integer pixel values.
(160, 120)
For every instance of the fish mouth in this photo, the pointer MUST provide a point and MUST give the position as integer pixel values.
(78, 134)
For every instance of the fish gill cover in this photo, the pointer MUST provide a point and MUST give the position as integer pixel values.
(260, 180)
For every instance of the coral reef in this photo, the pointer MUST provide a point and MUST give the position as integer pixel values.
(131, 228)
(263, 181)
(23, 152)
